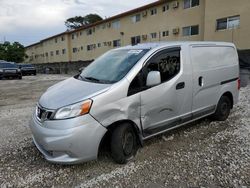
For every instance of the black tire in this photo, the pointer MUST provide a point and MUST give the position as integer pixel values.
(223, 109)
(20, 77)
(123, 143)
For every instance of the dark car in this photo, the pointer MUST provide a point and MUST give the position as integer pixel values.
(9, 70)
(27, 69)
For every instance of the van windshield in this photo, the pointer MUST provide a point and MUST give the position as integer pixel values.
(112, 66)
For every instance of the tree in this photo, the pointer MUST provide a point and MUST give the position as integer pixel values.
(79, 21)
(12, 52)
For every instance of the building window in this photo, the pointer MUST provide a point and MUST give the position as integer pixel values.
(136, 40)
(99, 45)
(74, 50)
(117, 43)
(191, 3)
(55, 40)
(153, 35)
(51, 53)
(91, 47)
(165, 33)
(63, 51)
(80, 33)
(81, 47)
(57, 52)
(153, 11)
(136, 18)
(73, 36)
(89, 32)
(228, 23)
(165, 8)
(116, 24)
(191, 30)
(63, 38)
(46, 54)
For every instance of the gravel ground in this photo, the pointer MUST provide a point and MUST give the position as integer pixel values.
(201, 154)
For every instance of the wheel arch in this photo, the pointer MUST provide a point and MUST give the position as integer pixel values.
(106, 138)
(133, 124)
(230, 96)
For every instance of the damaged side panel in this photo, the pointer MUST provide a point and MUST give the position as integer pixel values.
(119, 107)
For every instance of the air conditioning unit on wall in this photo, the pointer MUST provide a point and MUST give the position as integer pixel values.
(176, 31)
(175, 4)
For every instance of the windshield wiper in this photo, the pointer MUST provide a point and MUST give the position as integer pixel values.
(92, 79)
(82, 78)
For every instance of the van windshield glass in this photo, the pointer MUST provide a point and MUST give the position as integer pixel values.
(112, 66)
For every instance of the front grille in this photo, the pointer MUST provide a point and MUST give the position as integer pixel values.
(43, 114)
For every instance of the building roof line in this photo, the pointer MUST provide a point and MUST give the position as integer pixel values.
(127, 13)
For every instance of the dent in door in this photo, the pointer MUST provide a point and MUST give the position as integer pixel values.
(127, 108)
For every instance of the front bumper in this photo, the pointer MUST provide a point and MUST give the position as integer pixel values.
(68, 141)
(27, 72)
(9, 74)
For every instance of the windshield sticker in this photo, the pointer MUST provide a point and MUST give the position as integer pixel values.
(136, 52)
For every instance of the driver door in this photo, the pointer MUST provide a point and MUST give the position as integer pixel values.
(168, 104)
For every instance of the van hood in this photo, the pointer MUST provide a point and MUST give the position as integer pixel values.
(70, 91)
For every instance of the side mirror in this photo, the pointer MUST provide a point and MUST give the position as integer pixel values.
(154, 78)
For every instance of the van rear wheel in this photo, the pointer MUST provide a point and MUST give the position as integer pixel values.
(223, 109)
(123, 143)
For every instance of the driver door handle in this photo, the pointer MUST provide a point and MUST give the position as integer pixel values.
(180, 85)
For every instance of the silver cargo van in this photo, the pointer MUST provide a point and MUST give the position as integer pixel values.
(132, 93)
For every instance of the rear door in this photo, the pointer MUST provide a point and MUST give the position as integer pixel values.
(168, 104)
(207, 72)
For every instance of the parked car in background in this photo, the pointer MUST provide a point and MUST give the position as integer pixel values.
(9, 70)
(27, 69)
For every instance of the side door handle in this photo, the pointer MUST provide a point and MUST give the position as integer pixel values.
(201, 81)
(180, 85)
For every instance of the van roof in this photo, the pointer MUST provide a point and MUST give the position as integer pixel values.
(175, 43)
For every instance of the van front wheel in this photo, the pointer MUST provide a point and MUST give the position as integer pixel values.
(223, 109)
(123, 143)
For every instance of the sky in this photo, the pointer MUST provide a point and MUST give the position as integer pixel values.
(29, 21)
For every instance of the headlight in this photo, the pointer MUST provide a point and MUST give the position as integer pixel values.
(1, 70)
(73, 110)
(18, 70)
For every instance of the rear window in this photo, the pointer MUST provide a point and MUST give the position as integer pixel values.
(8, 65)
(27, 66)
(210, 57)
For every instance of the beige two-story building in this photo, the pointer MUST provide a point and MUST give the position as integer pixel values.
(163, 20)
